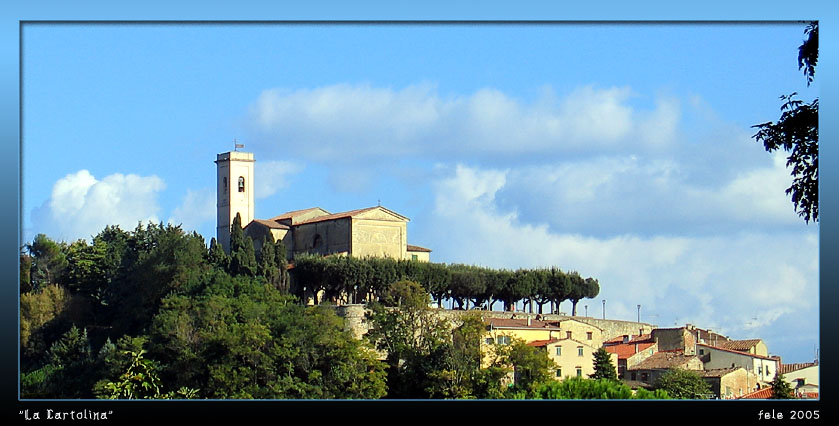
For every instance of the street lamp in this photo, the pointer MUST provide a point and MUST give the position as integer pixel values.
(604, 308)
(586, 310)
(639, 313)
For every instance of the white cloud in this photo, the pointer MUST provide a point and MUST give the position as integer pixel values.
(80, 205)
(717, 281)
(271, 176)
(324, 123)
(197, 208)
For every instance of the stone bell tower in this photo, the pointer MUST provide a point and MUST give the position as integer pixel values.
(234, 192)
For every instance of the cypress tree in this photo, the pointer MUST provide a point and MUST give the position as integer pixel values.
(242, 256)
(217, 257)
(603, 368)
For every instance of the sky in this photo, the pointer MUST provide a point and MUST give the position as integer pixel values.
(621, 151)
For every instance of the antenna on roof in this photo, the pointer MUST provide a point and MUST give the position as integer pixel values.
(380, 202)
(237, 145)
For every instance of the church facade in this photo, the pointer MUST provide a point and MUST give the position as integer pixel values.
(373, 231)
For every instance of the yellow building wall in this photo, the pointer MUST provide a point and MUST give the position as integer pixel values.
(379, 238)
(569, 360)
(422, 256)
(579, 331)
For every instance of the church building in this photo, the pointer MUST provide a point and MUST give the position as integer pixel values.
(373, 231)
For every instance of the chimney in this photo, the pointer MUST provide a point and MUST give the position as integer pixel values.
(529, 321)
(625, 338)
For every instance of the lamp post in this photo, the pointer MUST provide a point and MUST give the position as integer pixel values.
(639, 313)
(586, 310)
(604, 308)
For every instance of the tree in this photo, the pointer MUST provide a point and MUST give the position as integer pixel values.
(797, 132)
(603, 368)
(49, 263)
(781, 388)
(683, 384)
(531, 366)
(580, 388)
(242, 255)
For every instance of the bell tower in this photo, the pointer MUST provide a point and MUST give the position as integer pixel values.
(234, 192)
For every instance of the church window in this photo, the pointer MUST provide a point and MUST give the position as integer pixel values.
(225, 183)
(241, 184)
(317, 242)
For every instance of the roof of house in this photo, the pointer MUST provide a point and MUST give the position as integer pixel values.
(626, 350)
(789, 368)
(765, 393)
(519, 323)
(720, 372)
(418, 248)
(738, 345)
(540, 343)
(270, 224)
(644, 338)
(663, 361)
(771, 358)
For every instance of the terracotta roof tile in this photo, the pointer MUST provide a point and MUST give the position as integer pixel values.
(765, 393)
(789, 368)
(540, 343)
(738, 352)
(418, 248)
(719, 372)
(738, 345)
(663, 361)
(626, 350)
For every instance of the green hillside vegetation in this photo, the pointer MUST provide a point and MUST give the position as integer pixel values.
(154, 313)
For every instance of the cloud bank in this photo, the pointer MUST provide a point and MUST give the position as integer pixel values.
(80, 205)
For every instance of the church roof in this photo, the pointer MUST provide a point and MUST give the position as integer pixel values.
(294, 213)
(270, 224)
(350, 213)
(417, 248)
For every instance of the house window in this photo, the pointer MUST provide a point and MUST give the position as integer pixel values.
(645, 377)
(588, 335)
(413, 257)
(317, 241)
(241, 184)
(559, 351)
(558, 372)
(579, 371)
(489, 341)
(503, 340)
(634, 376)
(579, 351)
(567, 334)
(702, 352)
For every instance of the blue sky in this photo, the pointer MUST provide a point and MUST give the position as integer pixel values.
(622, 151)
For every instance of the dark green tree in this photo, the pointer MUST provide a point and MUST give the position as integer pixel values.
(216, 255)
(797, 132)
(49, 262)
(603, 367)
(531, 366)
(242, 255)
(25, 271)
(580, 388)
(781, 388)
(683, 384)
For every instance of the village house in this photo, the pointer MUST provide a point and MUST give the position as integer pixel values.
(803, 378)
(650, 369)
(730, 383)
(630, 351)
(764, 367)
(572, 357)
